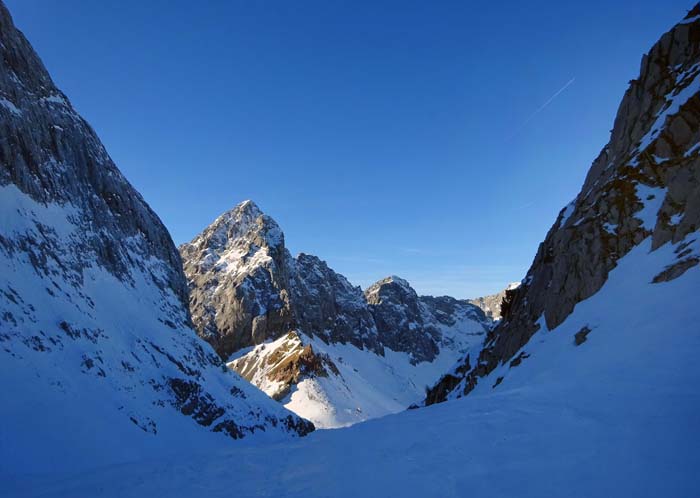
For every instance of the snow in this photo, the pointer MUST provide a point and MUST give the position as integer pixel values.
(55, 99)
(369, 385)
(611, 228)
(692, 150)
(90, 392)
(652, 199)
(10, 106)
(690, 20)
(615, 416)
(674, 101)
(568, 211)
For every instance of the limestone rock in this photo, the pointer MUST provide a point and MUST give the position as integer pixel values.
(645, 183)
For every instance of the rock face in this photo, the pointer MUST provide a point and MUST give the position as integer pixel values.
(331, 308)
(491, 305)
(245, 287)
(414, 324)
(306, 336)
(644, 184)
(94, 300)
(278, 366)
(400, 326)
(239, 277)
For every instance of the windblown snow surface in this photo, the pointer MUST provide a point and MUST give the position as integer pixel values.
(618, 415)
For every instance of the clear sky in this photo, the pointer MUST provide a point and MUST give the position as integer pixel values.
(432, 140)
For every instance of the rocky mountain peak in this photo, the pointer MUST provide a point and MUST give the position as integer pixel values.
(392, 288)
(305, 335)
(244, 224)
(246, 288)
(238, 272)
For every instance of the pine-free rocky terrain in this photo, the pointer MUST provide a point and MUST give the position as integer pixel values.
(586, 386)
(643, 188)
(304, 335)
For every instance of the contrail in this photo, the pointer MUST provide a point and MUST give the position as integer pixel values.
(542, 107)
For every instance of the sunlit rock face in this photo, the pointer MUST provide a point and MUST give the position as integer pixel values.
(491, 304)
(306, 336)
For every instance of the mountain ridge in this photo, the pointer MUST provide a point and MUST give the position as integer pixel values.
(645, 183)
(95, 331)
(306, 336)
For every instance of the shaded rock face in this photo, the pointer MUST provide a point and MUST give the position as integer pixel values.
(52, 155)
(400, 325)
(645, 183)
(491, 305)
(93, 292)
(330, 307)
(414, 324)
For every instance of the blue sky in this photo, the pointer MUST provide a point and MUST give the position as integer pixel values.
(432, 140)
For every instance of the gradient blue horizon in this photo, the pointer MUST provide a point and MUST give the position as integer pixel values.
(435, 141)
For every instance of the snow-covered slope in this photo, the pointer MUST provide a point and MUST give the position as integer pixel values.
(307, 337)
(643, 188)
(97, 357)
(615, 416)
(335, 384)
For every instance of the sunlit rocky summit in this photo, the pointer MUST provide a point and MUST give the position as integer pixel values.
(306, 336)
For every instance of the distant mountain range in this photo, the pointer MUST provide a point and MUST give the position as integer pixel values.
(307, 337)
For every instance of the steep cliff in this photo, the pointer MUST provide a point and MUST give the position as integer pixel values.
(95, 334)
(644, 186)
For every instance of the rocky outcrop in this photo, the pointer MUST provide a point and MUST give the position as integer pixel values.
(491, 304)
(94, 296)
(645, 183)
(239, 277)
(276, 367)
(328, 306)
(415, 324)
(245, 289)
(400, 325)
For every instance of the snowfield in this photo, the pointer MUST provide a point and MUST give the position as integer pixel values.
(618, 415)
